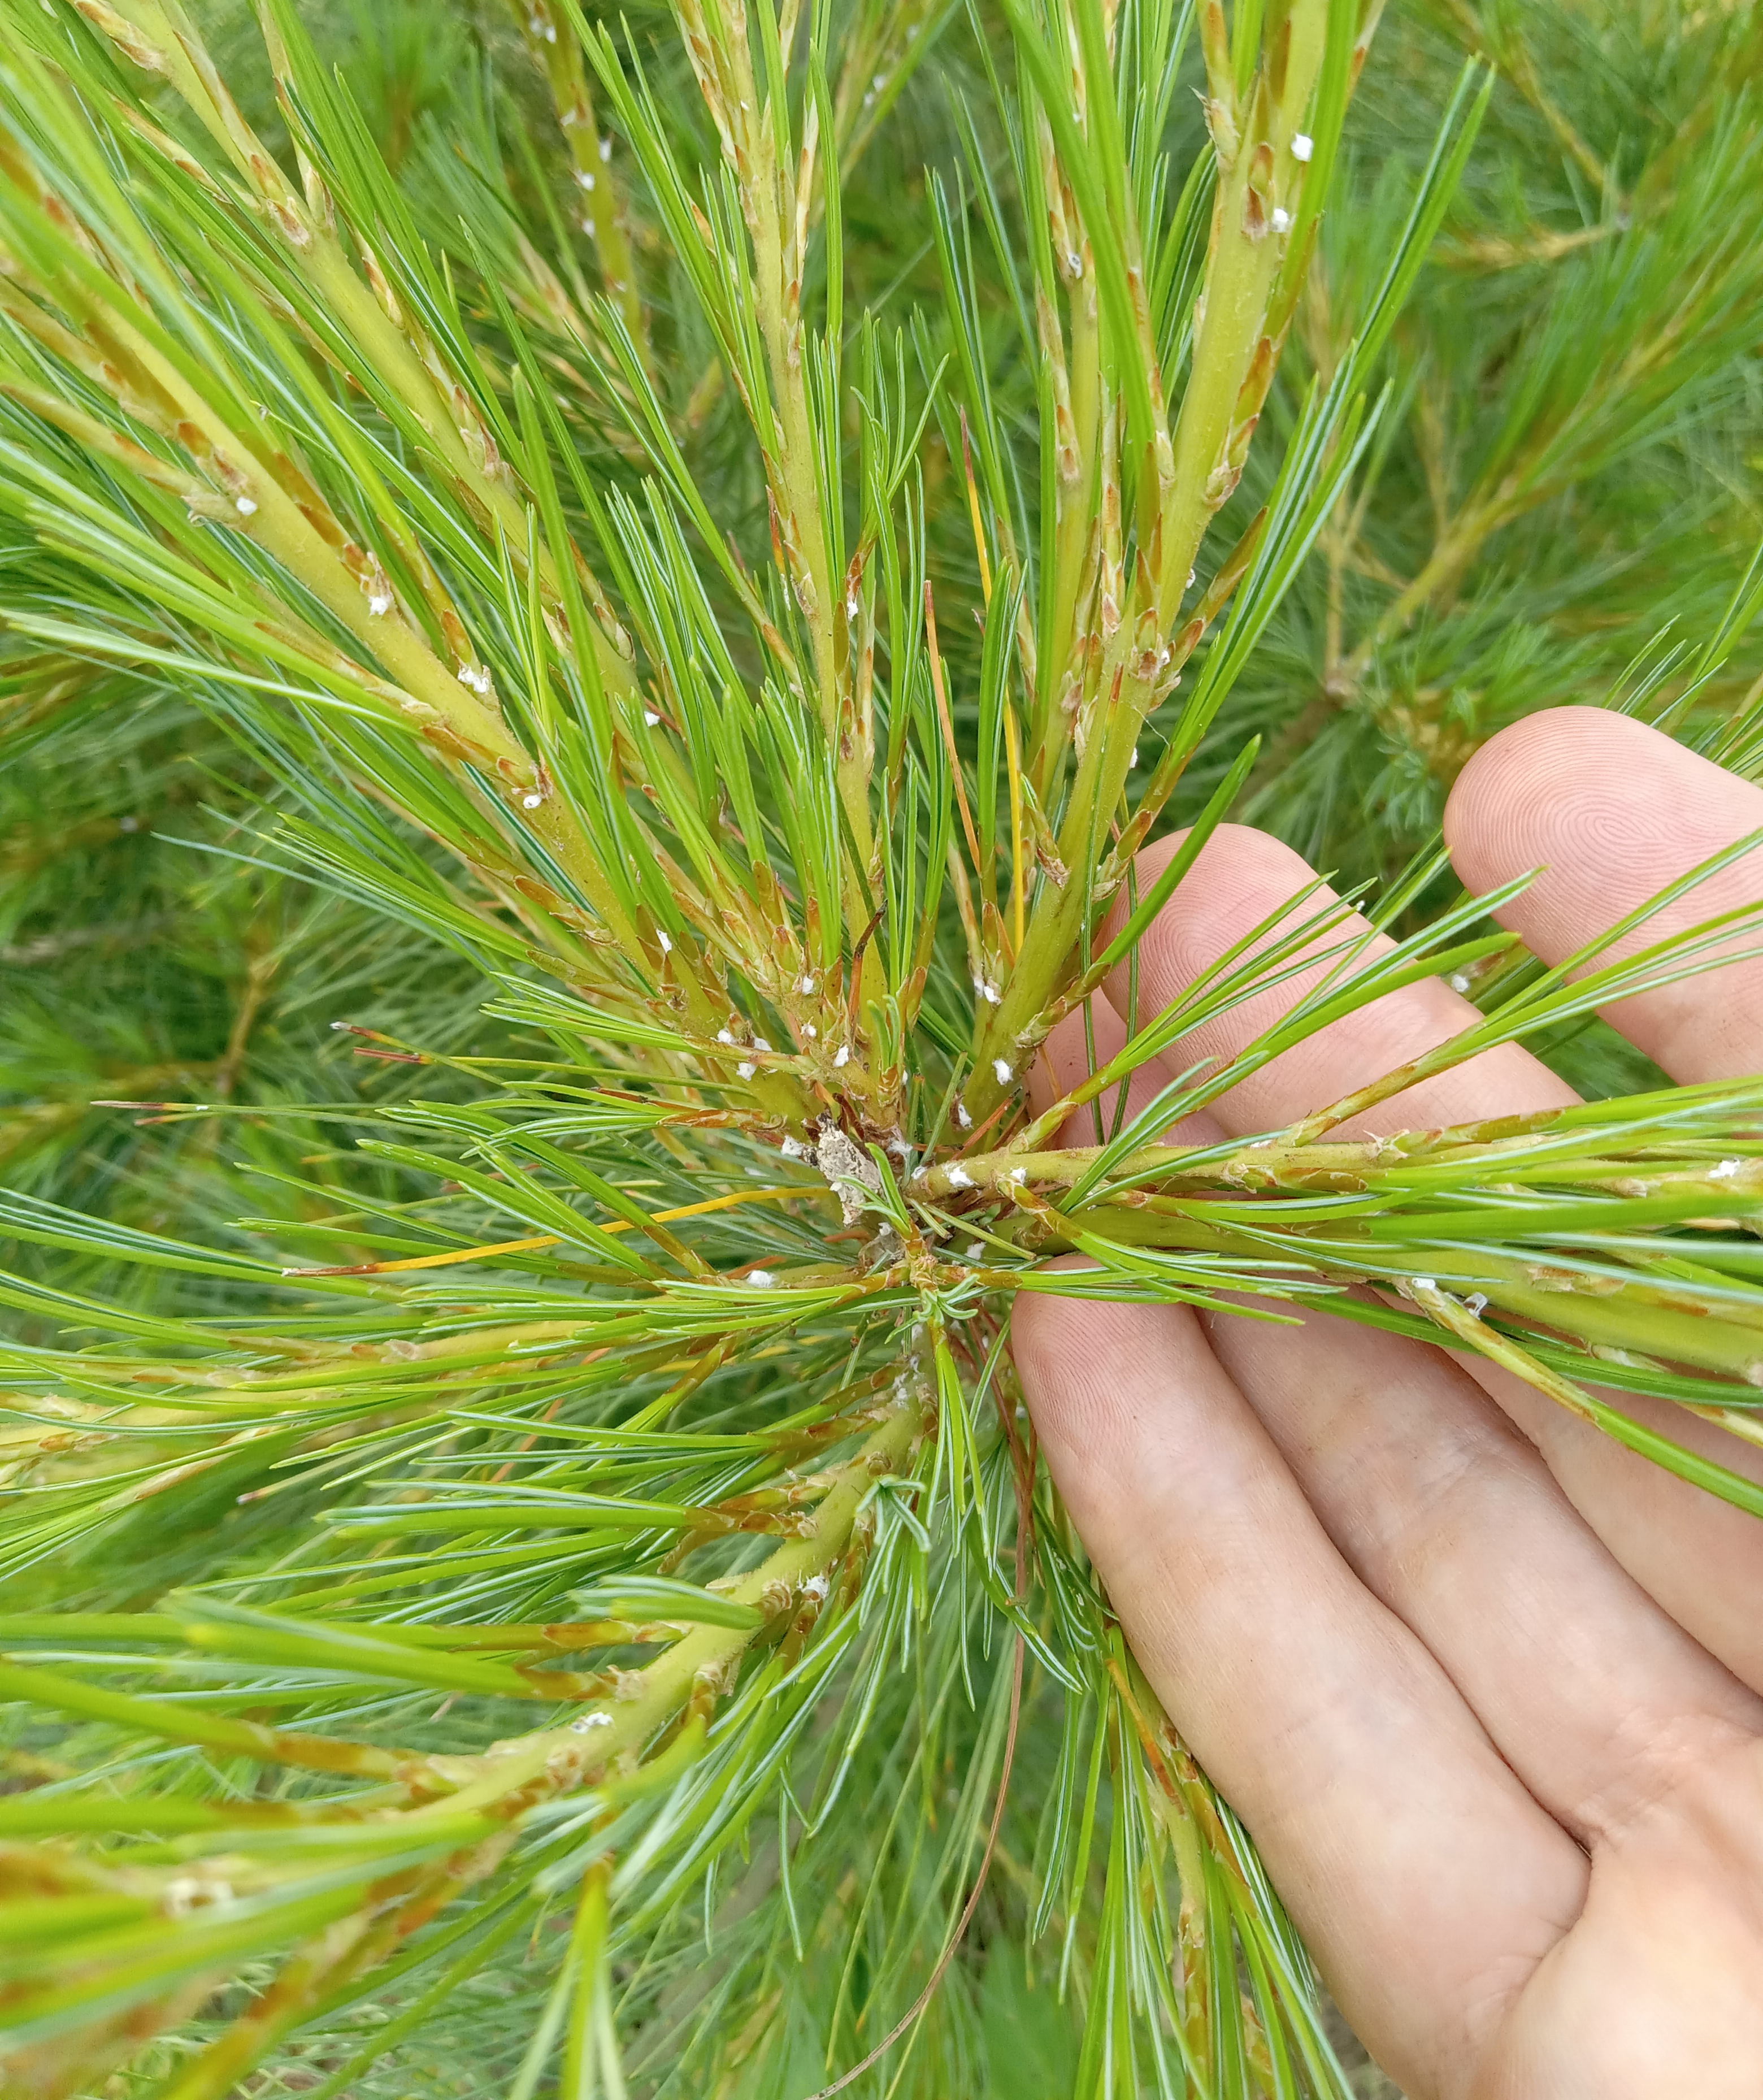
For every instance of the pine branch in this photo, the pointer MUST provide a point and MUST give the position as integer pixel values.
(663, 740)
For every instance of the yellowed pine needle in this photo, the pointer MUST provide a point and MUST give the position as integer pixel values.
(973, 513)
(453, 1256)
(949, 727)
(450, 1257)
(1013, 753)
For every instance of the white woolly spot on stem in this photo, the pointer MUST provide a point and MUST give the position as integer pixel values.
(190, 1892)
(1002, 1071)
(1303, 145)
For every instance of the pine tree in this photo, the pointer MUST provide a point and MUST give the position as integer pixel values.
(596, 607)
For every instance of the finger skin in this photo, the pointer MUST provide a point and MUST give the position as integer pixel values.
(1612, 811)
(1240, 878)
(1584, 1684)
(1658, 1990)
(1428, 1881)
(1699, 1557)
(1596, 1697)
(1655, 1988)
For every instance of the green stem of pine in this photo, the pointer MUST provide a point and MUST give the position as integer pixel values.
(1233, 364)
(554, 43)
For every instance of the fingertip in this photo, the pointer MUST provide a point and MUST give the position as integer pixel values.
(1612, 812)
(1498, 815)
(1572, 787)
(1478, 810)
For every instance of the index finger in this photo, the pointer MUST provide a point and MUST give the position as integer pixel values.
(1613, 811)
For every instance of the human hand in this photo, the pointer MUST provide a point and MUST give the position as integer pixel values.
(1484, 1684)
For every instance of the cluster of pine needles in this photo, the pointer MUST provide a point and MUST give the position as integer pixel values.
(594, 609)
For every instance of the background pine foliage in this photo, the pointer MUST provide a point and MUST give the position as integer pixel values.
(1559, 498)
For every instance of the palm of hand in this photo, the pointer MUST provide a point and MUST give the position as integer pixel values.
(1484, 1686)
